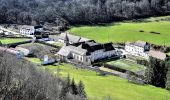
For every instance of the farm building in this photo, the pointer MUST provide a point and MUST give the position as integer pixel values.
(86, 52)
(30, 30)
(139, 48)
(65, 37)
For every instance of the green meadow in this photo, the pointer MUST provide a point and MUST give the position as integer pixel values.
(127, 64)
(97, 86)
(128, 31)
(12, 40)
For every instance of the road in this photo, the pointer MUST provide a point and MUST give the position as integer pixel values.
(4, 29)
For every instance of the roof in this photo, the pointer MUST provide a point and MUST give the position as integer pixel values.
(27, 27)
(9, 50)
(38, 27)
(25, 51)
(72, 38)
(92, 46)
(157, 54)
(137, 43)
(64, 51)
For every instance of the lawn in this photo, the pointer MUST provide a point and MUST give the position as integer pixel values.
(128, 31)
(12, 40)
(127, 64)
(100, 86)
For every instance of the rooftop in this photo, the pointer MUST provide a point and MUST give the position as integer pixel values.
(137, 43)
(72, 38)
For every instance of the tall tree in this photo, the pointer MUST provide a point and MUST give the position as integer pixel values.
(156, 73)
(81, 90)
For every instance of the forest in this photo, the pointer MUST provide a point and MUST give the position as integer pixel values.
(69, 12)
(21, 80)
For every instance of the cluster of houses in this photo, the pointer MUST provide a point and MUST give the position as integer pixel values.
(86, 51)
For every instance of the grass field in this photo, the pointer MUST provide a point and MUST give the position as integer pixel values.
(127, 64)
(128, 31)
(100, 86)
(12, 40)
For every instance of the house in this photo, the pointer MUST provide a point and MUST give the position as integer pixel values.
(30, 30)
(40, 35)
(9, 50)
(25, 51)
(66, 37)
(139, 48)
(86, 52)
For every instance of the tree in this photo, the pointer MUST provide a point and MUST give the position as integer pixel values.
(81, 90)
(168, 76)
(74, 89)
(156, 73)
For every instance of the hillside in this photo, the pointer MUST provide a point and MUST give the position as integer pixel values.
(64, 12)
(129, 31)
(101, 87)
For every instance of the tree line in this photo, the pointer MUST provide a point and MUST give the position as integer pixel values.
(158, 73)
(20, 80)
(64, 12)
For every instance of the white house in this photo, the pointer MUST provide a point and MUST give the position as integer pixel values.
(30, 30)
(86, 52)
(27, 30)
(139, 48)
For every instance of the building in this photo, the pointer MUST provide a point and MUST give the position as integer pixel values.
(30, 30)
(40, 35)
(71, 39)
(86, 52)
(139, 48)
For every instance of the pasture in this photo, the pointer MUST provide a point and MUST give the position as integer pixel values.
(12, 40)
(97, 86)
(121, 32)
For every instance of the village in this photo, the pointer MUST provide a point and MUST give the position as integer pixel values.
(63, 47)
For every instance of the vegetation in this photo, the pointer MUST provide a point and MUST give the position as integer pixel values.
(127, 64)
(103, 86)
(19, 79)
(156, 72)
(61, 12)
(12, 40)
(128, 31)
(39, 50)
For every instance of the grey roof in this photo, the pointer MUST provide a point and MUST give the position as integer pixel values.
(137, 43)
(9, 50)
(66, 50)
(72, 38)
(27, 27)
(25, 51)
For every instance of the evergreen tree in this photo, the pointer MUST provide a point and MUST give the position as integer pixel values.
(168, 76)
(66, 88)
(81, 91)
(156, 73)
(74, 87)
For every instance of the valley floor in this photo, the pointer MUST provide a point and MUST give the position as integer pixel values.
(129, 31)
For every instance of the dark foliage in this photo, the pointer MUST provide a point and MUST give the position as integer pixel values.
(156, 72)
(62, 12)
(19, 80)
(70, 87)
(168, 76)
